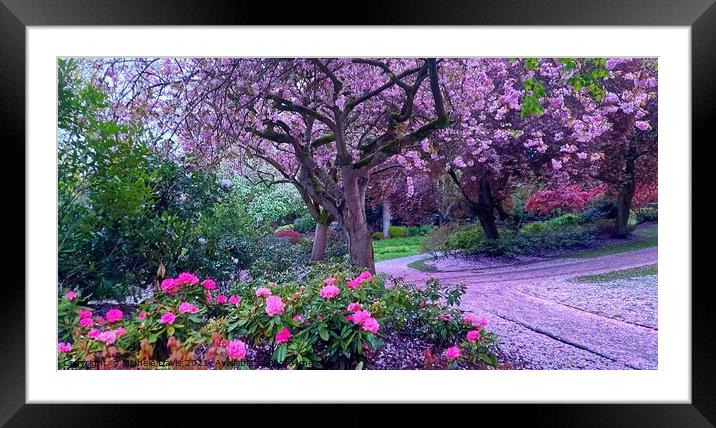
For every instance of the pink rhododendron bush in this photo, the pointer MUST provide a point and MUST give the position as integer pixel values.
(333, 318)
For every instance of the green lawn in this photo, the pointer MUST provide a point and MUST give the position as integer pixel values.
(386, 249)
(619, 274)
(648, 238)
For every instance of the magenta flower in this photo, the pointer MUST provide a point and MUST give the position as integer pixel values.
(452, 353)
(283, 336)
(371, 325)
(355, 306)
(113, 315)
(84, 313)
(360, 316)
(329, 281)
(209, 284)
(187, 308)
(221, 299)
(142, 315)
(329, 291)
(263, 292)
(86, 322)
(298, 318)
(360, 279)
(70, 295)
(236, 350)
(274, 306)
(170, 285)
(64, 347)
(108, 337)
(187, 278)
(168, 318)
(473, 336)
(93, 333)
(234, 299)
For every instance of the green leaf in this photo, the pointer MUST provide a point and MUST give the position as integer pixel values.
(323, 333)
(170, 330)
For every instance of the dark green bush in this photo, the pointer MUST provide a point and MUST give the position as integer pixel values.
(397, 232)
(419, 230)
(599, 209)
(304, 224)
(647, 214)
(377, 235)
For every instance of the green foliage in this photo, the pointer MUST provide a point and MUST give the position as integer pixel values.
(419, 230)
(392, 248)
(600, 208)
(304, 224)
(397, 231)
(377, 236)
(646, 214)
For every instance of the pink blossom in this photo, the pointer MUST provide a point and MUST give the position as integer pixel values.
(236, 350)
(360, 316)
(283, 336)
(209, 284)
(170, 285)
(108, 337)
(64, 347)
(93, 333)
(84, 313)
(263, 292)
(187, 278)
(329, 291)
(186, 307)
(473, 336)
(120, 331)
(114, 315)
(329, 281)
(221, 299)
(168, 318)
(370, 324)
(452, 353)
(208, 297)
(355, 306)
(360, 279)
(86, 322)
(142, 315)
(298, 318)
(234, 299)
(274, 306)
(71, 295)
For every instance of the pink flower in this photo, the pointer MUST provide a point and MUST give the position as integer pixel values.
(64, 347)
(93, 333)
(86, 322)
(187, 278)
(329, 281)
(371, 325)
(70, 295)
(452, 353)
(355, 306)
(365, 276)
(168, 318)
(120, 331)
(360, 316)
(360, 279)
(263, 292)
(473, 336)
(274, 306)
(113, 315)
(209, 284)
(283, 336)
(221, 299)
(187, 308)
(208, 297)
(170, 285)
(99, 320)
(236, 350)
(142, 315)
(298, 318)
(235, 300)
(108, 337)
(84, 313)
(329, 291)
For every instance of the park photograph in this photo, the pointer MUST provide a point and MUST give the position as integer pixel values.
(357, 213)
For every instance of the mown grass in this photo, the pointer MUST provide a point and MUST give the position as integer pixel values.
(619, 274)
(422, 265)
(648, 238)
(386, 249)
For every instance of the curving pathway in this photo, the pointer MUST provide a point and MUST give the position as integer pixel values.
(544, 321)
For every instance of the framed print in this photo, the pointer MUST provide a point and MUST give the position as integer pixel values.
(414, 206)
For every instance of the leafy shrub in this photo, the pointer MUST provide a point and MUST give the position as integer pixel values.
(284, 228)
(397, 232)
(377, 235)
(568, 219)
(646, 214)
(600, 208)
(276, 259)
(419, 230)
(304, 224)
(335, 317)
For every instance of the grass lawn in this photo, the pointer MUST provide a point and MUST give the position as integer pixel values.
(386, 249)
(619, 274)
(648, 238)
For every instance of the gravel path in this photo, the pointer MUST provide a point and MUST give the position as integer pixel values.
(544, 321)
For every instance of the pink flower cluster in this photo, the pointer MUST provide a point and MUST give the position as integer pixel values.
(283, 336)
(85, 318)
(108, 337)
(274, 306)
(233, 299)
(64, 347)
(187, 308)
(363, 318)
(474, 321)
(263, 292)
(473, 336)
(452, 353)
(360, 279)
(236, 350)
(329, 291)
(114, 315)
(173, 285)
(168, 318)
(209, 284)
(71, 295)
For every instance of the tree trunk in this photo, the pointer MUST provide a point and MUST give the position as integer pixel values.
(318, 252)
(485, 208)
(360, 244)
(386, 219)
(624, 198)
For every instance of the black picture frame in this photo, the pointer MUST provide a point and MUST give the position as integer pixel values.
(16, 15)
